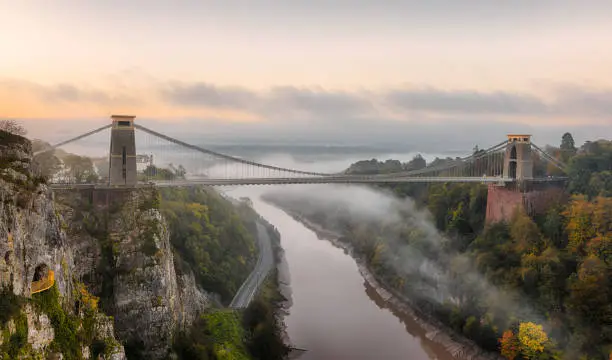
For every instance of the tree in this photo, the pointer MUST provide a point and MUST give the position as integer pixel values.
(46, 164)
(589, 295)
(180, 171)
(568, 147)
(13, 127)
(81, 168)
(509, 345)
(417, 163)
(525, 233)
(579, 226)
(567, 142)
(532, 339)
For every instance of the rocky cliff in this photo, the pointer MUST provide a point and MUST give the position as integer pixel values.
(112, 244)
(123, 253)
(33, 247)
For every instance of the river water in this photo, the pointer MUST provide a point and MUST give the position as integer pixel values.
(335, 314)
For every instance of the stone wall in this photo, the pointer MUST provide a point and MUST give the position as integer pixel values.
(503, 201)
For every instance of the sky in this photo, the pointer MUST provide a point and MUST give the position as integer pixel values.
(428, 73)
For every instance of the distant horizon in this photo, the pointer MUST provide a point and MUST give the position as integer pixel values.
(414, 74)
(413, 141)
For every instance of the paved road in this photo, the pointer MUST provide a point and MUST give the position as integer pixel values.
(297, 180)
(265, 263)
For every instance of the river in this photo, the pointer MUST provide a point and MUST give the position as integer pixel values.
(335, 314)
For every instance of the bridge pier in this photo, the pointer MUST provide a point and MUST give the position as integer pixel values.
(524, 194)
(532, 198)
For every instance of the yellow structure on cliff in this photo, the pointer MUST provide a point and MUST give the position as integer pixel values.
(43, 284)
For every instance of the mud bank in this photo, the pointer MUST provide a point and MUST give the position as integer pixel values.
(457, 345)
(283, 284)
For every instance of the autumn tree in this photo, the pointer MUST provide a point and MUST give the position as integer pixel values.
(525, 234)
(589, 298)
(509, 345)
(13, 127)
(579, 226)
(532, 339)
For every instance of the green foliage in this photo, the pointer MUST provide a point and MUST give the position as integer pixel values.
(568, 147)
(156, 173)
(16, 344)
(8, 137)
(209, 237)
(263, 328)
(149, 231)
(65, 326)
(215, 335)
(10, 305)
(559, 263)
(589, 170)
(81, 168)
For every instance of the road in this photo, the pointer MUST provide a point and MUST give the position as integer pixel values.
(295, 180)
(265, 263)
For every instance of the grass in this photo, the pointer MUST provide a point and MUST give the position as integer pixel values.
(64, 325)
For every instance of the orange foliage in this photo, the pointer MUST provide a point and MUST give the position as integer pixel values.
(87, 298)
(509, 345)
(589, 226)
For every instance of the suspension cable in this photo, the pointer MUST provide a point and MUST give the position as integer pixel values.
(53, 147)
(227, 157)
(559, 164)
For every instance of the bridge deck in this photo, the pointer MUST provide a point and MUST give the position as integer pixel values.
(302, 180)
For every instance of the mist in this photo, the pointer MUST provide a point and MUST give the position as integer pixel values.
(444, 277)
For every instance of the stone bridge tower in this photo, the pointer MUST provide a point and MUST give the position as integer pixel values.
(122, 151)
(524, 193)
(518, 162)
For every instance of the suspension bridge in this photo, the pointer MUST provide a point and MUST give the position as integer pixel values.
(510, 161)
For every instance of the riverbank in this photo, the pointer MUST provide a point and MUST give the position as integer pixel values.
(276, 289)
(455, 344)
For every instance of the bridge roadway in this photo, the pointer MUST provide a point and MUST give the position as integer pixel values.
(293, 180)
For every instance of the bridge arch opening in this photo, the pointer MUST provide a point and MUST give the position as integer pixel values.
(512, 163)
(41, 272)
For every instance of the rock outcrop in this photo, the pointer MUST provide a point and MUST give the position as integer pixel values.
(32, 244)
(125, 256)
(112, 244)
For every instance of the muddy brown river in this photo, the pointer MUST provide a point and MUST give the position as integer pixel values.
(334, 313)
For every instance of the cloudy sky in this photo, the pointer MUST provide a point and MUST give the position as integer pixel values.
(455, 72)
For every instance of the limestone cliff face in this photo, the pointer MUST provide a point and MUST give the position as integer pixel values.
(151, 301)
(115, 244)
(32, 243)
(125, 256)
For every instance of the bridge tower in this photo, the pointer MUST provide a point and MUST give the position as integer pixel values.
(518, 162)
(532, 197)
(122, 151)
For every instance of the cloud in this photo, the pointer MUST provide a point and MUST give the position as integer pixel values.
(466, 102)
(209, 95)
(423, 118)
(68, 93)
(314, 104)
(581, 101)
(319, 103)
(279, 102)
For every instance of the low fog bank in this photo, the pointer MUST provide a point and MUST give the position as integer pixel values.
(405, 239)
